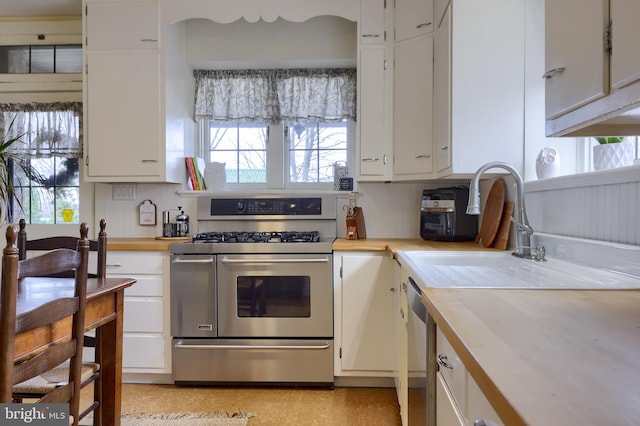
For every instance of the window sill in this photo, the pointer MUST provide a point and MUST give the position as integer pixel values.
(252, 192)
(603, 177)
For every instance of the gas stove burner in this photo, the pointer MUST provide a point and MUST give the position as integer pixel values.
(300, 237)
(257, 237)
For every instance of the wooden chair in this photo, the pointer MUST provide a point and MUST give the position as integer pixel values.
(90, 370)
(48, 316)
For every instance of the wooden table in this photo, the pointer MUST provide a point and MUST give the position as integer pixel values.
(105, 310)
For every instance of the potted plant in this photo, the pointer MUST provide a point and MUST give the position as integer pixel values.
(8, 159)
(612, 152)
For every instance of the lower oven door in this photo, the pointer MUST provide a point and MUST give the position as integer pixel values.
(267, 361)
(275, 296)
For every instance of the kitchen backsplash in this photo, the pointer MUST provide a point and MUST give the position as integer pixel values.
(599, 206)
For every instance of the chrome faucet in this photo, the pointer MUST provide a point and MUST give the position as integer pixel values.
(524, 230)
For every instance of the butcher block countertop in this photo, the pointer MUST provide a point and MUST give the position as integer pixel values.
(144, 244)
(394, 244)
(548, 357)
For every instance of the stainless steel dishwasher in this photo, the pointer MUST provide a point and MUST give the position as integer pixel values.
(417, 333)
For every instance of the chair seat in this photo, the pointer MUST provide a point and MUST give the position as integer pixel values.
(53, 378)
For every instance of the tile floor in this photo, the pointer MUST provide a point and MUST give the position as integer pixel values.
(271, 406)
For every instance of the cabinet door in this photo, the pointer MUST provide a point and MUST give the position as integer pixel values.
(576, 62)
(367, 309)
(373, 121)
(122, 25)
(447, 411)
(413, 18)
(442, 93)
(371, 25)
(625, 63)
(413, 107)
(122, 127)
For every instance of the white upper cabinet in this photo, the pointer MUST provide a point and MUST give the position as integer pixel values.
(374, 115)
(413, 108)
(478, 86)
(122, 25)
(576, 60)
(371, 26)
(126, 71)
(625, 61)
(413, 18)
(592, 68)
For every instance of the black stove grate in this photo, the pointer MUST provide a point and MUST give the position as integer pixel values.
(258, 237)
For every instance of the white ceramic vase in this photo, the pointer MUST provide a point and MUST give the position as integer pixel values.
(612, 155)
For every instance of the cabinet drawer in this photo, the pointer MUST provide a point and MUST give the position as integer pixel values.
(455, 375)
(146, 285)
(142, 351)
(143, 314)
(134, 263)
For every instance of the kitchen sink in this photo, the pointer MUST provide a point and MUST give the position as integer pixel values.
(501, 270)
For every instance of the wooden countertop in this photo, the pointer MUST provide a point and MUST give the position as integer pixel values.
(394, 244)
(548, 357)
(144, 244)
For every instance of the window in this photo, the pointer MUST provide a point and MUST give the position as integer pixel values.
(277, 128)
(49, 143)
(38, 59)
(251, 152)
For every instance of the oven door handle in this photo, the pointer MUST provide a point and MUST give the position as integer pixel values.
(193, 261)
(227, 347)
(310, 260)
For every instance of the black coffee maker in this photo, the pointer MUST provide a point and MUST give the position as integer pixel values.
(443, 215)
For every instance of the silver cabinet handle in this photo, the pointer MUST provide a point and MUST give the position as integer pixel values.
(371, 35)
(444, 148)
(114, 265)
(370, 159)
(423, 156)
(149, 40)
(149, 161)
(444, 362)
(424, 24)
(547, 75)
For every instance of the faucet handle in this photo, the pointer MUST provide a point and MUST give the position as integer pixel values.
(521, 226)
(540, 254)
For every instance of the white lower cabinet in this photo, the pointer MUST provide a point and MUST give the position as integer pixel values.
(459, 400)
(364, 304)
(146, 337)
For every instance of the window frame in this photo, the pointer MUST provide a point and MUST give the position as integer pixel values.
(277, 160)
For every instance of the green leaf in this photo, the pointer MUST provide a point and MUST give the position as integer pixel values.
(603, 140)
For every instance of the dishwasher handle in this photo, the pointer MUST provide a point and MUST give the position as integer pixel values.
(415, 301)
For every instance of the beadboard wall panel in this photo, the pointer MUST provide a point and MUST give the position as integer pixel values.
(604, 212)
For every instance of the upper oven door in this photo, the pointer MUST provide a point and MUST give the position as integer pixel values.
(275, 295)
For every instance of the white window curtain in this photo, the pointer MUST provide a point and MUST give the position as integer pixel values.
(46, 129)
(273, 96)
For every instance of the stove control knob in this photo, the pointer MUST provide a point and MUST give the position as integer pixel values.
(240, 206)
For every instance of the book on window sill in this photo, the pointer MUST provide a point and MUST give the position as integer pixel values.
(195, 180)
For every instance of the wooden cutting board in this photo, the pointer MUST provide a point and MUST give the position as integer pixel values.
(502, 237)
(492, 214)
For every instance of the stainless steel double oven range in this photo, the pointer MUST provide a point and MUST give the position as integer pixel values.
(252, 293)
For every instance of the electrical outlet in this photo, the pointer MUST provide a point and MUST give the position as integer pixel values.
(124, 191)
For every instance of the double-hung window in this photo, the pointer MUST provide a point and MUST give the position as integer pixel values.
(48, 146)
(277, 128)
